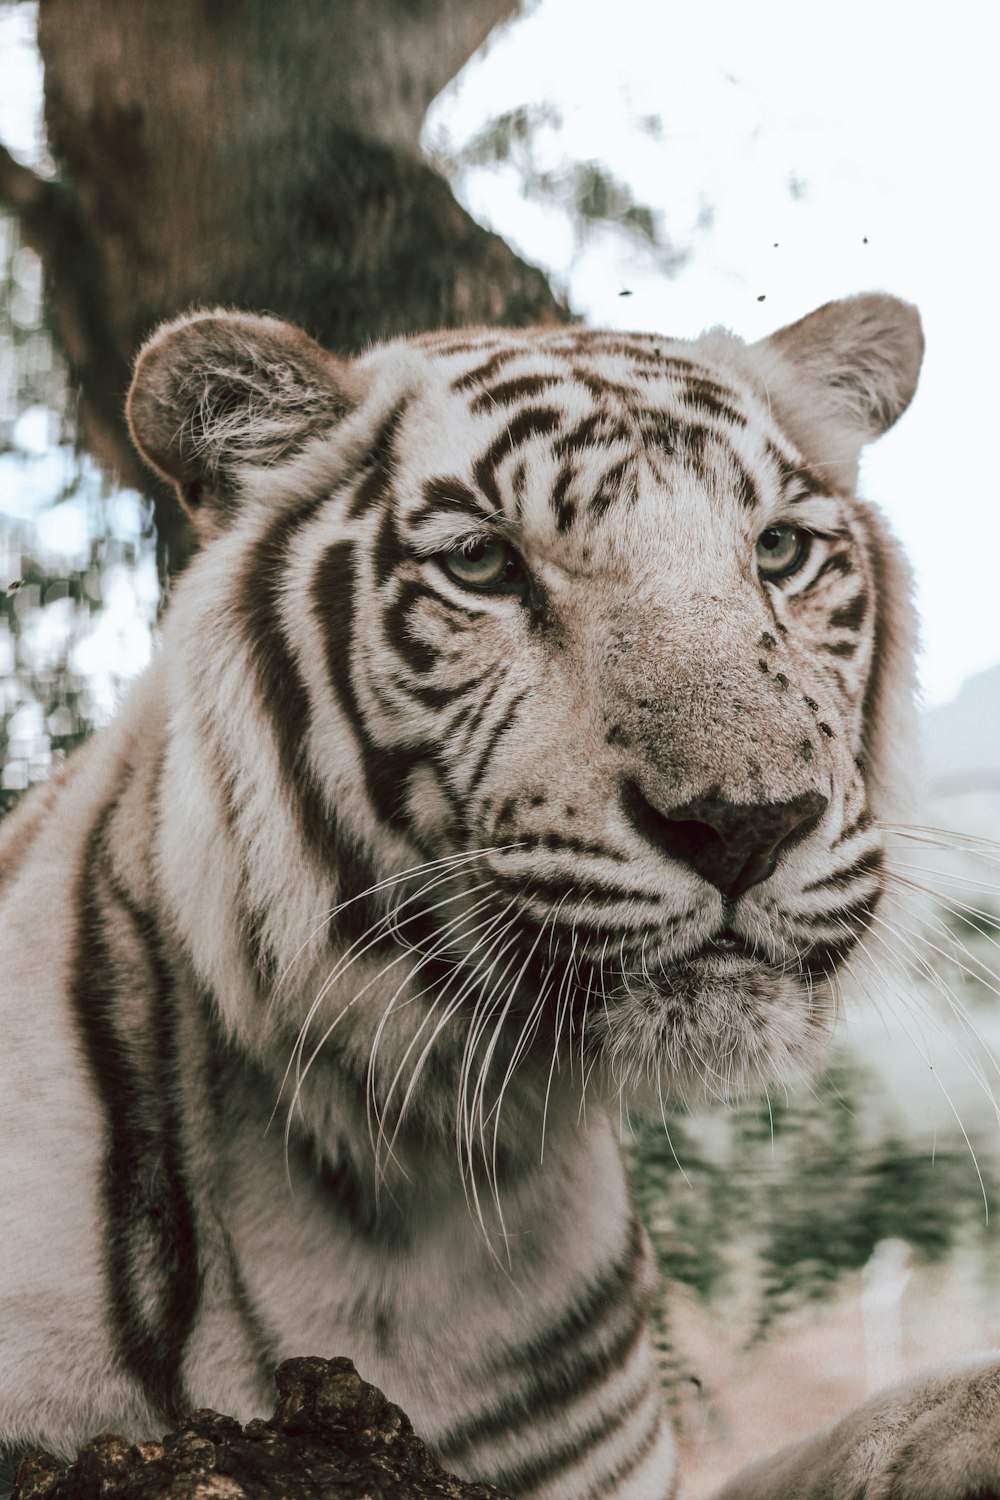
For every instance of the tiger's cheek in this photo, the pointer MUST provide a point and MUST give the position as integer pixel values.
(432, 815)
(830, 637)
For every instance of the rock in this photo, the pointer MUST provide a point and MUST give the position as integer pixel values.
(332, 1437)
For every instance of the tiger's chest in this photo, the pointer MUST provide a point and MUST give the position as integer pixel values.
(499, 1324)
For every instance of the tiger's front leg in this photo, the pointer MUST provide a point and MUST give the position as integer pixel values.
(933, 1437)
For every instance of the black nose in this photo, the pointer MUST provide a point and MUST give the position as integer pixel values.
(732, 845)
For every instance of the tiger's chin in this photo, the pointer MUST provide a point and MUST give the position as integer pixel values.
(713, 1027)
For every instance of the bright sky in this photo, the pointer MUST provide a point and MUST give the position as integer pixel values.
(887, 115)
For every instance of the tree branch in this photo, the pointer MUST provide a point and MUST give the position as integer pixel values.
(269, 161)
(20, 187)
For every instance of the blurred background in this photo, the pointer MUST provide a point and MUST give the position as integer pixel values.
(370, 167)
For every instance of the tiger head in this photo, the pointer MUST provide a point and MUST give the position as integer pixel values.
(538, 695)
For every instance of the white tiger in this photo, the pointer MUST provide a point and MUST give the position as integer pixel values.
(519, 737)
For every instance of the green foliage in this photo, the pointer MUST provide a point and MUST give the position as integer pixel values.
(62, 718)
(507, 138)
(790, 1197)
(49, 701)
(69, 542)
(590, 195)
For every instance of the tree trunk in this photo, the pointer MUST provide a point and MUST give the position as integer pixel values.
(254, 155)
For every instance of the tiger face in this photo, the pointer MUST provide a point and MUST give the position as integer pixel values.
(564, 663)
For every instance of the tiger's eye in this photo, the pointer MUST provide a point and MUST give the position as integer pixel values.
(482, 564)
(781, 551)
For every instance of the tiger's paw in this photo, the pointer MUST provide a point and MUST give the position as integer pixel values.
(934, 1437)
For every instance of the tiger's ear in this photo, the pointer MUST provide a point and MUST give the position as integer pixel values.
(216, 391)
(842, 376)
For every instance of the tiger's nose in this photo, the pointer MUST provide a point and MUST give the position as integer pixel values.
(730, 844)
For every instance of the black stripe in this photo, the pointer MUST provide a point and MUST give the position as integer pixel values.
(528, 1474)
(283, 693)
(419, 656)
(605, 344)
(456, 617)
(823, 958)
(352, 1200)
(598, 428)
(611, 488)
(591, 938)
(265, 1349)
(377, 465)
(845, 649)
(840, 686)
(253, 933)
(611, 1483)
(645, 351)
(746, 489)
(518, 478)
(851, 615)
(863, 820)
(342, 1191)
(659, 430)
(489, 369)
(556, 889)
(445, 492)
(532, 422)
(251, 919)
(509, 391)
(797, 480)
(495, 735)
(601, 387)
(471, 715)
(867, 864)
(855, 916)
(682, 367)
(146, 1199)
(557, 841)
(616, 1283)
(226, 1069)
(559, 1373)
(872, 730)
(451, 341)
(837, 562)
(712, 400)
(693, 441)
(563, 508)
(550, 1389)
(433, 697)
(388, 553)
(695, 438)
(333, 592)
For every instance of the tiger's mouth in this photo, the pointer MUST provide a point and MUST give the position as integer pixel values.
(725, 961)
(728, 957)
(709, 1024)
(728, 945)
(648, 1014)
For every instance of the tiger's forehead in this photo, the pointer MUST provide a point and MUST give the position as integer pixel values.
(552, 431)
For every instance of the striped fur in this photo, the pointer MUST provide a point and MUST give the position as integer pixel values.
(322, 965)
